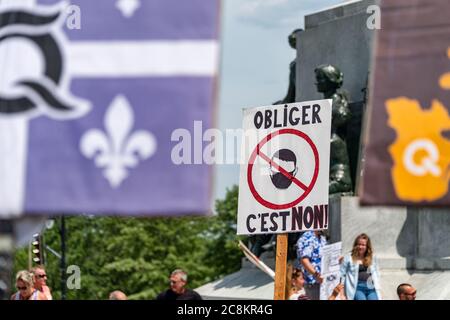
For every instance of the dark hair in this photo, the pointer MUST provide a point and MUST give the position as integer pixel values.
(286, 155)
(296, 273)
(291, 274)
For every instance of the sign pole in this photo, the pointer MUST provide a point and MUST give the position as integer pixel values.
(63, 258)
(280, 267)
(29, 256)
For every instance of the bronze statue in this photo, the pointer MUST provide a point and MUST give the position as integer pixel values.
(290, 95)
(260, 243)
(267, 242)
(329, 79)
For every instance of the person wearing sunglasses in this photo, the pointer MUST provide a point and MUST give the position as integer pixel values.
(40, 281)
(25, 287)
(178, 290)
(405, 291)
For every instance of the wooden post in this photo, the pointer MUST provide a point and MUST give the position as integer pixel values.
(280, 267)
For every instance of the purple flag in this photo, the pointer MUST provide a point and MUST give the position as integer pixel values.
(90, 95)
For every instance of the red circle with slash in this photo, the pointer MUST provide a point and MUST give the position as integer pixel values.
(257, 152)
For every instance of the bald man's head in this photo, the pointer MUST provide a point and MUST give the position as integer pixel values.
(117, 295)
(405, 291)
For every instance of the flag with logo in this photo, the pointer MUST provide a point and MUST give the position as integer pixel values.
(407, 158)
(91, 93)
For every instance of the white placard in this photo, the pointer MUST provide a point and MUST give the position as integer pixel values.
(284, 177)
(330, 269)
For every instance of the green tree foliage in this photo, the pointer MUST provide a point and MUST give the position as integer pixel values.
(136, 255)
(223, 234)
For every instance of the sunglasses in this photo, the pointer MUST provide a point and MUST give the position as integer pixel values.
(42, 276)
(22, 288)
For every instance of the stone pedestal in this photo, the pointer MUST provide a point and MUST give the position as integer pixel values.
(412, 244)
(337, 36)
(403, 238)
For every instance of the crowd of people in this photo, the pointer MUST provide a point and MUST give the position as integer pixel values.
(359, 276)
(359, 271)
(32, 285)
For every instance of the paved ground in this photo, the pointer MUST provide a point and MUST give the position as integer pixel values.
(251, 283)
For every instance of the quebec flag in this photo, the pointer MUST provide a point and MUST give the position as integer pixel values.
(90, 94)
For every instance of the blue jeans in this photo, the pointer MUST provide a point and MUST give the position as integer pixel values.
(363, 292)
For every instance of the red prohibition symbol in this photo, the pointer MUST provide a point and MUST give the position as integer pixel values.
(305, 188)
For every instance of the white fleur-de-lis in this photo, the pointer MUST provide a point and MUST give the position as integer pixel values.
(128, 7)
(118, 149)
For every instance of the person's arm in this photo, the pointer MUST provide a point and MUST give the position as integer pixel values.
(46, 291)
(336, 291)
(41, 296)
(310, 268)
(376, 277)
(343, 269)
(377, 270)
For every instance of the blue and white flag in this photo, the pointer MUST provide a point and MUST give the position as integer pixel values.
(90, 93)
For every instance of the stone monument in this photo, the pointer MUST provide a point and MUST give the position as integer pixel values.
(290, 94)
(412, 244)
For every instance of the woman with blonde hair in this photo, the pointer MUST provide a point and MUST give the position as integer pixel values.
(25, 287)
(359, 271)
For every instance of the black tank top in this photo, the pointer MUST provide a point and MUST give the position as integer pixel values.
(363, 274)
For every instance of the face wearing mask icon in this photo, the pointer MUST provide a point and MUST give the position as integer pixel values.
(287, 160)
